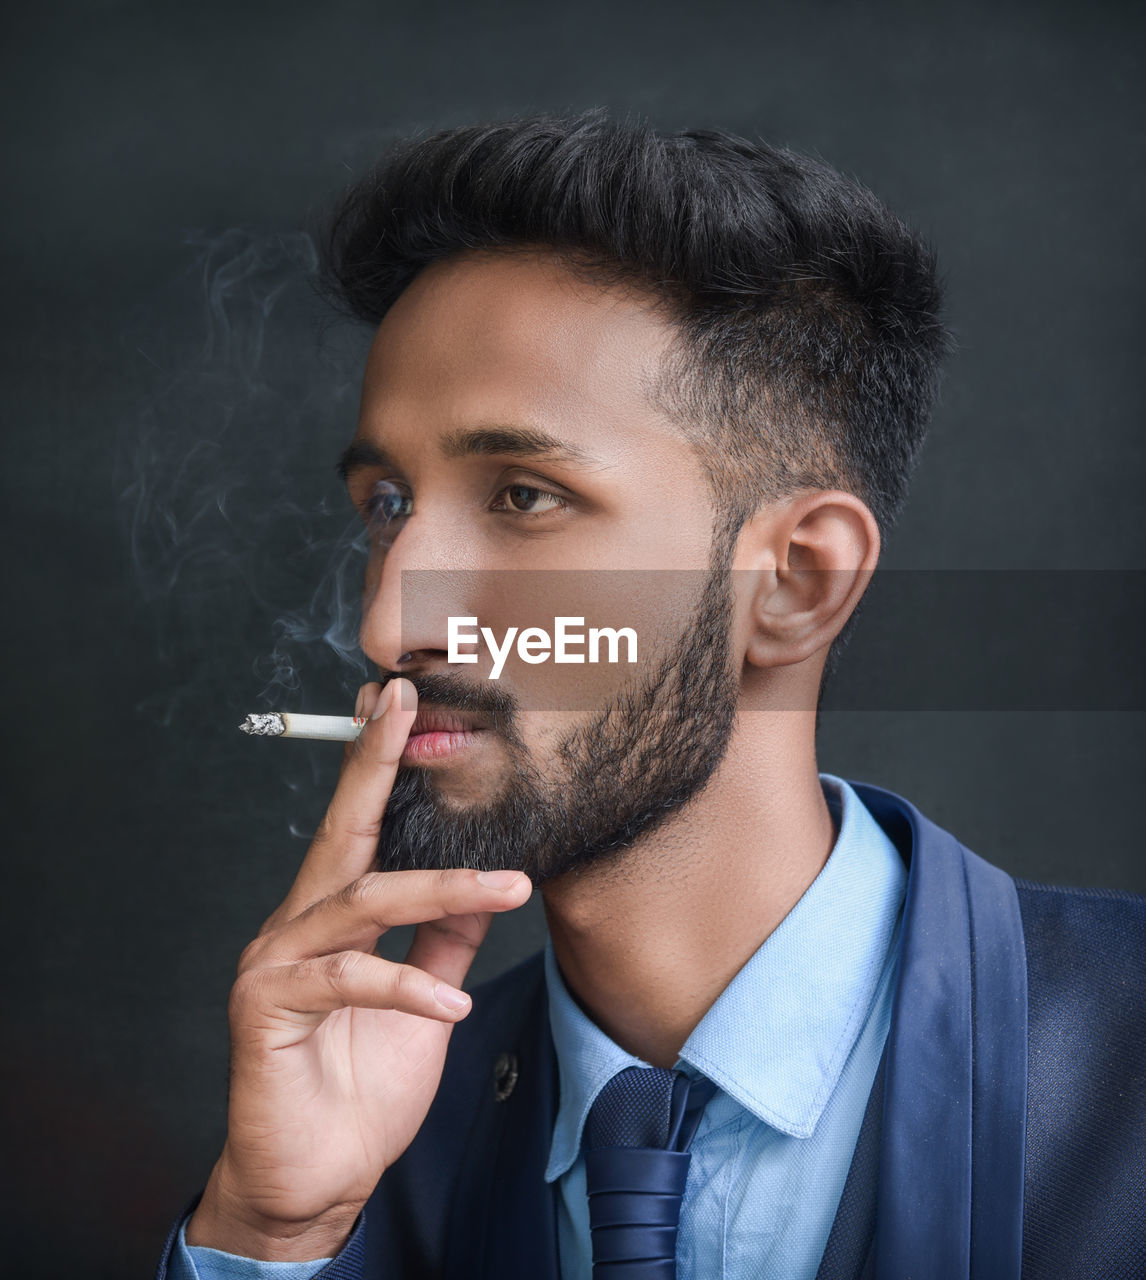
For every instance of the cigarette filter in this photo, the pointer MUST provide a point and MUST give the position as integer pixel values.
(288, 724)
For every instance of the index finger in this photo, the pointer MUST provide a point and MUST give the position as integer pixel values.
(346, 841)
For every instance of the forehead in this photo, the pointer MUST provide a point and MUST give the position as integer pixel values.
(512, 336)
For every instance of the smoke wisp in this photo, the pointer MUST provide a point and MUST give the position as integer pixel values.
(241, 540)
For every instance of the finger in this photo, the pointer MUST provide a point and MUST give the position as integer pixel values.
(367, 698)
(347, 838)
(317, 986)
(358, 913)
(446, 947)
(364, 705)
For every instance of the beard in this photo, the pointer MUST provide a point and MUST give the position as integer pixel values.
(622, 775)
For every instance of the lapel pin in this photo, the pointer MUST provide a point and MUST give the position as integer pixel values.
(504, 1076)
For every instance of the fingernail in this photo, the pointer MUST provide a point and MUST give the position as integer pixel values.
(499, 879)
(384, 699)
(450, 997)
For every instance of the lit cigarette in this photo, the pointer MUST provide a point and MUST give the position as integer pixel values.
(286, 724)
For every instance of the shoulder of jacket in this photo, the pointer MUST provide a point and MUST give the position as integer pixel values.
(1086, 1088)
(1089, 929)
(1084, 947)
(1080, 902)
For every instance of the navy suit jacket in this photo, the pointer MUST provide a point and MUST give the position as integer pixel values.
(1005, 1134)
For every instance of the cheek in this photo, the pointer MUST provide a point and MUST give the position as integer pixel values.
(542, 730)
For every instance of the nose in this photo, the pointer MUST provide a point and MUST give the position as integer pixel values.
(414, 584)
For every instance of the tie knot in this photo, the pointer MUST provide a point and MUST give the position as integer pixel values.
(633, 1109)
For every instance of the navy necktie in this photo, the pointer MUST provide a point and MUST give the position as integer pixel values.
(636, 1163)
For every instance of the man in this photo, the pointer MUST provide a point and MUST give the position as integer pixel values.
(842, 1043)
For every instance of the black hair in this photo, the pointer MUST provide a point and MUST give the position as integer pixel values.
(809, 335)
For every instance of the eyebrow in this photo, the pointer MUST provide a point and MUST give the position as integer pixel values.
(526, 442)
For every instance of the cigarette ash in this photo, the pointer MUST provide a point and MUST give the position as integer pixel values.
(264, 725)
(242, 541)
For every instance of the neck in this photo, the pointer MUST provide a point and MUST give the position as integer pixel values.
(647, 942)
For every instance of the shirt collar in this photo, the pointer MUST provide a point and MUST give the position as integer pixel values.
(777, 1036)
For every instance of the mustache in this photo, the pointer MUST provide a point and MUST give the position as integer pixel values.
(456, 693)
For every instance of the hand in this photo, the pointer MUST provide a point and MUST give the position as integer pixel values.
(336, 1053)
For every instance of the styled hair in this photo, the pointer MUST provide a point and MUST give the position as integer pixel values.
(809, 339)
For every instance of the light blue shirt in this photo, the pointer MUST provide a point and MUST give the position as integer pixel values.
(793, 1042)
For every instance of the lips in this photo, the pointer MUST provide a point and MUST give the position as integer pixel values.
(438, 736)
(431, 719)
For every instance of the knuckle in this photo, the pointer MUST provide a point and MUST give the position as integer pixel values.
(271, 922)
(455, 884)
(250, 954)
(246, 994)
(408, 983)
(324, 832)
(365, 828)
(341, 969)
(310, 970)
(363, 894)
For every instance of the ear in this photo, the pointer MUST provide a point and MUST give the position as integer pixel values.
(814, 556)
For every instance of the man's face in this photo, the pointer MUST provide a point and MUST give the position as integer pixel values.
(480, 357)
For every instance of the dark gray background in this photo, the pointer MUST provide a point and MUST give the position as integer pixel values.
(175, 402)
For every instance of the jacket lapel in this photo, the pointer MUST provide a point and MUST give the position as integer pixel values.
(950, 1181)
(504, 1221)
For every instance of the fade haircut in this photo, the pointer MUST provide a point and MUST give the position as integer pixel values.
(807, 315)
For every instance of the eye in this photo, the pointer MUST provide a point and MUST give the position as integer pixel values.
(384, 508)
(518, 497)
